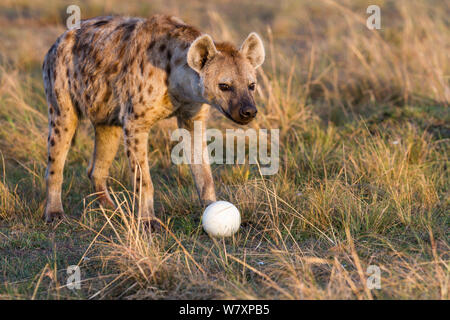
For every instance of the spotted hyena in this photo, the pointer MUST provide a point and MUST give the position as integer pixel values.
(124, 74)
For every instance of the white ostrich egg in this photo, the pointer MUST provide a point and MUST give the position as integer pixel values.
(221, 219)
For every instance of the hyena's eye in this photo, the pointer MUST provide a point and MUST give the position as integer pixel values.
(252, 86)
(224, 87)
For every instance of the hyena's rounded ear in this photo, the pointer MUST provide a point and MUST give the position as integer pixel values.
(253, 49)
(200, 51)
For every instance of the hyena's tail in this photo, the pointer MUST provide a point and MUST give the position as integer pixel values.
(63, 112)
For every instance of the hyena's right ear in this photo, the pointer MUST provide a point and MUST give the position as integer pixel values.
(200, 51)
(253, 49)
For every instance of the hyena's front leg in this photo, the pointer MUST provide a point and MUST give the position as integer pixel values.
(201, 172)
(62, 126)
(136, 139)
(107, 139)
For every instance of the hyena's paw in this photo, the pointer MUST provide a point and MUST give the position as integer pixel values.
(105, 200)
(51, 216)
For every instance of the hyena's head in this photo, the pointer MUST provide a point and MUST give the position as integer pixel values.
(228, 75)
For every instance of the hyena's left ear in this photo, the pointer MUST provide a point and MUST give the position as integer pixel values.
(200, 51)
(253, 49)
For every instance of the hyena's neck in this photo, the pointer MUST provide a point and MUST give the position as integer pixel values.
(185, 83)
(168, 47)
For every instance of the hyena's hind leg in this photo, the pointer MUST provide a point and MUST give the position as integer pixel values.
(107, 139)
(63, 122)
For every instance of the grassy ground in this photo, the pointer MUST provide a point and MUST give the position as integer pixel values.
(363, 180)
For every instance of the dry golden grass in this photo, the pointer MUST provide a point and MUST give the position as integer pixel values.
(363, 180)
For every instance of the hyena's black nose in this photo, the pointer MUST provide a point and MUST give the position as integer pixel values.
(248, 112)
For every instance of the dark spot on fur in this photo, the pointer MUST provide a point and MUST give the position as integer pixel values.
(52, 123)
(127, 132)
(151, 45)
(128, 30)
(150, 89)
(52, 142)
(112, 68)
(98, 62)
(141, 65)
(128, 153)
(52, 172)
(100, 23)
(56, 131)
(107, 95)
(130, 108)
(125, 67)
(50, 159)
(162, 47)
